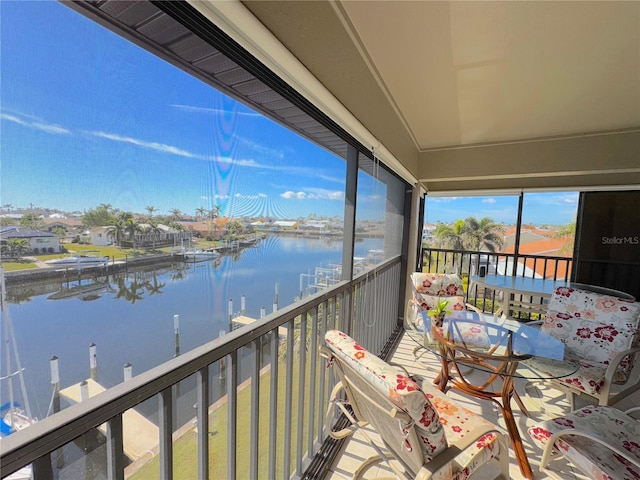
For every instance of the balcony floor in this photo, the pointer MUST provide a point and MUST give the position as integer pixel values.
(356, 449)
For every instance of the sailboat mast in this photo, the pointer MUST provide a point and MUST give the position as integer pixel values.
(5, 322)
(23, 386)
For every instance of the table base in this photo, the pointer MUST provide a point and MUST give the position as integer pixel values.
(505, 372)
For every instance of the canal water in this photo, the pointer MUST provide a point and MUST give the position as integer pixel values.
(130, 318)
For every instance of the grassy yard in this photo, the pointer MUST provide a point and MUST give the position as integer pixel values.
(185, 449)
(12, 266)
(113, 252)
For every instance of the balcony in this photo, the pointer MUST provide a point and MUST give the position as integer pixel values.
(536, 400)
(269, 420)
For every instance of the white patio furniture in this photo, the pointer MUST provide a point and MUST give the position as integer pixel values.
(424, 432)
(600, 440)
(600, 333)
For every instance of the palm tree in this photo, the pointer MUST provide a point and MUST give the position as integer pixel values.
(150, 209)
(176, 214)
(129, 227)
(17, 247)
(451, 236)
(213, 215)
(118, 230)
(471, 234)
(151, 230)
(200, 212)
(483, 234)
(566, 232)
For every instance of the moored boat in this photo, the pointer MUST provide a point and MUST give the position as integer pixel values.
(79, 261)
(12, 416)
(200, 254)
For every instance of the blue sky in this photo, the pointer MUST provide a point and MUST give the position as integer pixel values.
(548, 208)
(88, 118)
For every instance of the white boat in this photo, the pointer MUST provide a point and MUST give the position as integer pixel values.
(196, 254)
(79, 261)
(12, 416)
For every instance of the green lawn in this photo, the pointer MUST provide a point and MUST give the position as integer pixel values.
(12, 266)
(110, 251)
(185, 449)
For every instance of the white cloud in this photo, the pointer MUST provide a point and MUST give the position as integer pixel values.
(250, 197)
(314, 194)
(158, 147)
(36, 124)
(195, 109)
(442, 199)
(488, 200)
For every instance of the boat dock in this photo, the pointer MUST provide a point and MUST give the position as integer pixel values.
(241, 321)
(139, 434)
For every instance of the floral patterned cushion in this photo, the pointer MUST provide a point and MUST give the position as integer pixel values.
(436, 418)
(427, 302)
(471, 332)
(429, 288)
(588, 377)
(612, 426)
(457, 422)
(593, 326)
(438, 284)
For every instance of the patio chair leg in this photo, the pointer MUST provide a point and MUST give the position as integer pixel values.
(571, 398)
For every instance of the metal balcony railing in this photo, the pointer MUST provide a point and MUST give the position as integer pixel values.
(468, 263)
(254, 399)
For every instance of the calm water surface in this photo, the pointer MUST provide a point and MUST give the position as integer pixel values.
(132, 319)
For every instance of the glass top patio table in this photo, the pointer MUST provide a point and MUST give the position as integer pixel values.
(481, 341)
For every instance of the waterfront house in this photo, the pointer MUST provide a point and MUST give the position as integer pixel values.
(38, 242)
(426, 98)
(99, 236)
(284, 225)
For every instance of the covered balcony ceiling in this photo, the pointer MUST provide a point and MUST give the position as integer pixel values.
(477, 95)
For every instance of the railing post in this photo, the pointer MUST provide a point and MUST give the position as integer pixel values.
(273, 407)
(202, 391)
(42, 469)
(255, 410)
(165, 426)
(115, 449)
(232, 414)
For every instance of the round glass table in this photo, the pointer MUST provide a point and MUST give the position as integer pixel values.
(467, 341)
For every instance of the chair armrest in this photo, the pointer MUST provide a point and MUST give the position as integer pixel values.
(333, 402)
(631, 412)
(611, 370)
(453, 451)
(591, 436)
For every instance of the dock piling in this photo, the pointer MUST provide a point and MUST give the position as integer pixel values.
(93, 361)
(128, 371)
(84, 390)
(176, 331)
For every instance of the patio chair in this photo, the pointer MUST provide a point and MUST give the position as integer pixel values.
(605, 290)
(601, 337)
(422, 431)
(600, 440)
(428, 289)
